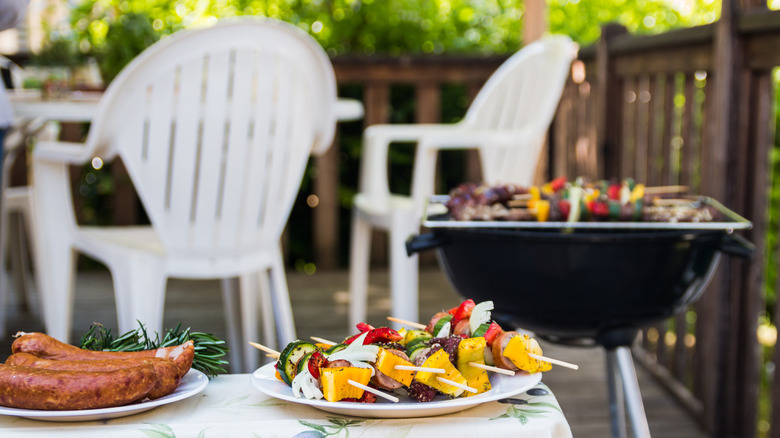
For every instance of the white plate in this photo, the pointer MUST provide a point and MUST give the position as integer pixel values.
(502, 387)
(192, 383)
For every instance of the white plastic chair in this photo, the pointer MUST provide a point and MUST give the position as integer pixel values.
(507, 123)
(215, 127)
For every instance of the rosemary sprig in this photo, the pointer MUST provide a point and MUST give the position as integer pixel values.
(209, 350)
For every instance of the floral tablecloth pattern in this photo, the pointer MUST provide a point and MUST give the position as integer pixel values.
(231, 407)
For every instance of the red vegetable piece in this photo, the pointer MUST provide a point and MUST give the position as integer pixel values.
(316, 361)
(381, 334)
(565, 207)
(462, 312)
(493, 330)
(613, 192)
(558, 183)
(363, 327)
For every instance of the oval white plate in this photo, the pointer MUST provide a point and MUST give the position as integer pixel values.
(502, 387)
(192, 383)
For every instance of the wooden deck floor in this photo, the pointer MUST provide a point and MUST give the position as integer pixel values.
(320, 308)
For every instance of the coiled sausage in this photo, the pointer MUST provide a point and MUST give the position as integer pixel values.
(167, 372)
(44, 346)
(40, 389)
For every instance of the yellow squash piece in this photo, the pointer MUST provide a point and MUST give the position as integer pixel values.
(441, 359)
(386, 362)
(334, 382)
(542, 210)
(517, 351)
(473, 350)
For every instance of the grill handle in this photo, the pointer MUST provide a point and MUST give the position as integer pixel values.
(736, 245)
(424, 242)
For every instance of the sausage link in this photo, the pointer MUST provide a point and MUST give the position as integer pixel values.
(499, 344)
(40, 389)
(44, 346)
(167, 372)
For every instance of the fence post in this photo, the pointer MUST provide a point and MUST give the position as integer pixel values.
(608, 102)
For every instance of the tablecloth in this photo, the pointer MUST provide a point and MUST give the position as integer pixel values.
(231, 407)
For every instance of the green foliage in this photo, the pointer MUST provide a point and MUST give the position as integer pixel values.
(582, 19)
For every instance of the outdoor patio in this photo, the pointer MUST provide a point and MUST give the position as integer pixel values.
(198, 304)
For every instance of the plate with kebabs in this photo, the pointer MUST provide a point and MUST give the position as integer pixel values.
(459, 360)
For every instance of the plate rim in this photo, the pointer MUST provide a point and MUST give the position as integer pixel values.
(266, 372)
(198, 379)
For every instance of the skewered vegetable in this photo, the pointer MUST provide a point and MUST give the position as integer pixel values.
(472, 350)
(441, 359)
(335, 382)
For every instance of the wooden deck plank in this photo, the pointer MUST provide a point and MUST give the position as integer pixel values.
(320, 307)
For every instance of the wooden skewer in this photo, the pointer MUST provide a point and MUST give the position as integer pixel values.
(322, 341)
(271, 352)
(522, 196)
(665, 189)
(373, 391)
(424, 369)
(673, 201)
(554, 361)
(456, 384)
(416, 325)
(493, 369)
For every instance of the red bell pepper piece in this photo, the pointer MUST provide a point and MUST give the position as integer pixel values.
(363, 327)
(558, 183)
(381, 334)
(613, 192)
(564, 206)
(316, 361)
(461, 312)
(493, 330)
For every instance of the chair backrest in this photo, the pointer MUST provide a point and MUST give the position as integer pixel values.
(522, 95)
(215, 127)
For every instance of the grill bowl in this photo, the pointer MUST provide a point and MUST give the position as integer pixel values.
(565, 282)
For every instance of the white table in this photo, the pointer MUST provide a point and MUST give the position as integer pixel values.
(231, 406)
(81, 107)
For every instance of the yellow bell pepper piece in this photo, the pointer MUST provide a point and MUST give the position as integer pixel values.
(473, 350)
(542, 210)
(441, 359)
(517, 351)
(638, 192)
(386, 362)
(335, 385)
(535, 194)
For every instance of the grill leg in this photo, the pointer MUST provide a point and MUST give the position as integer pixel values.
(620, 361)
(617, 411)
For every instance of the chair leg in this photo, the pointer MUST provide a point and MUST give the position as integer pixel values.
(359, 260)
(249, 310)
(403, 275)
(231, 310)
(267, 309)
(139, 289)
(56, 288)
(281, 298)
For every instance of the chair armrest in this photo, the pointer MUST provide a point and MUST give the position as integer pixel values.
(63, 152)
(430, 139)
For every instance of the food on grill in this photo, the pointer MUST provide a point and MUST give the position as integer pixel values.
(572, 201)
(44, 373)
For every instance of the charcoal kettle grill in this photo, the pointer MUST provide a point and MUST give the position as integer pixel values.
(599, 282)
